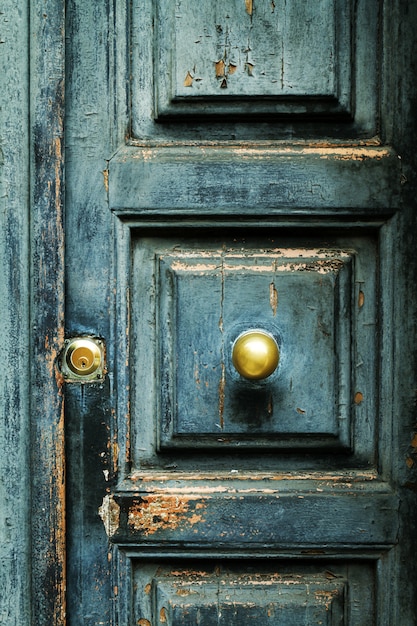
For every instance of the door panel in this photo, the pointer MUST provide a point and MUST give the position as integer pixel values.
(234, 60)
(221, 178)
(205, 291)
(241, 593)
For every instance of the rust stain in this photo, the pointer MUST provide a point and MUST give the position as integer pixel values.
(358, 397)
(148, 588)
(414, 441)
(249, 6)
(163, 615)
(231, 69)
(409, 462)
(153, 513)
(110, 515)
(188, 82)
(300, 411)
(361, 299)
(144, 622)
(273, 298)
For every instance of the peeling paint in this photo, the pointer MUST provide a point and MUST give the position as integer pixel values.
(249, 6)
(188, 81)
(358, 397)
(222, 386)
(106, 180)
(155, 513)
(220, 68)
(273, 298)
(110, 515)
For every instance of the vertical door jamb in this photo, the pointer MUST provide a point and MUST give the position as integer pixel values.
(46, 48)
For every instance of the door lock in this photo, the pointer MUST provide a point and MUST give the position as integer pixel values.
(83, 359)
(255, 354)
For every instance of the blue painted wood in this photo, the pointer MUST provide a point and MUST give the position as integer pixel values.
(15, 584)
(273, 180)
(251, 515)
(47, 313)
(92, 133)
(273, 63)
(236, 592)
(152, 175)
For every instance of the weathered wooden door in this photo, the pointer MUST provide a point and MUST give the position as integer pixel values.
(232, 166)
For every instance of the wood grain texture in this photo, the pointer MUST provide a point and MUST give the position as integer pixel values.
(254, 515)
(260, 180)
(47, 313)
(15, 594)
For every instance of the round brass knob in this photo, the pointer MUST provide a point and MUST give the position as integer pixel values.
(83, 357)
(255, 354)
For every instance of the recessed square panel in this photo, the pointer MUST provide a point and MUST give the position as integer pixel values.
(302, 298)
(238, 69)
(249, 56)
(193, 297)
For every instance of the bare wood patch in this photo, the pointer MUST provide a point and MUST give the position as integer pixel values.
(358, 397)
(153, 513)
(188, 82)
(220, 68)
(249, 6)
(273, 298)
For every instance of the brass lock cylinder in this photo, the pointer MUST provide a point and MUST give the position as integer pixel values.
(83, 357)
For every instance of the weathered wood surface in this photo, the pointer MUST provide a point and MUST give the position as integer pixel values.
(289, 514)
(47, 312)
(294, 181)
(236, 593)
(15, 594)
(93, 128)
(269, 70)
(353, 184)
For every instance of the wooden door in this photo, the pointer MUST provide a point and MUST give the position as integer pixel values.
(233, 166)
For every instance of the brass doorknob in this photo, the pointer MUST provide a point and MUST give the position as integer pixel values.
(255, 354)
(83, 356)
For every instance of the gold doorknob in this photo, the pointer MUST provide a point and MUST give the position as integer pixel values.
(83, 356)
(255, 354)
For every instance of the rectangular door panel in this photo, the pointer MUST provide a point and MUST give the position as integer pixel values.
(267, 62)
(240, 593)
